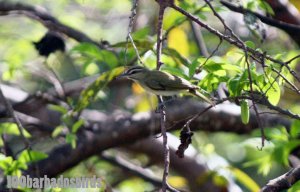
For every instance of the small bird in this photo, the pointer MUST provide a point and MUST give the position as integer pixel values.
(50, 43)
(161, 83)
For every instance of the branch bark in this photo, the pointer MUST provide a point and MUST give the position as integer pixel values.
(285, 181)
(285, 17)
(7, 8)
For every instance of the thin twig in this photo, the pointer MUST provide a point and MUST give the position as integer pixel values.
(198, 70)
(128, 166)
(234, 40)
(294, 87)
(162, 6)
(244, 47)
(267, 20)
(292, 59)
(129, 37)
(58, 85)
(165, 144)
(181, 22)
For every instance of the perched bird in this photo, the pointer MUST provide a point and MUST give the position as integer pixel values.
(50, 43)
(161, 83)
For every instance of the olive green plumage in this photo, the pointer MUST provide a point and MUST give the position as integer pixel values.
(161, 83)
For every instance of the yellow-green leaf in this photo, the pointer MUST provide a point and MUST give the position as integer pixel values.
(272, 91)
(245, 114)
(91, 91)
(243, 178)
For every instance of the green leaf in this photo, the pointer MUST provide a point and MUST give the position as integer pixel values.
(90, 68)
(29, 156)
(215, 68)
(272, 92)
(250, 44)
(91, 91)
(9, 128)
(71, 138)
(57, 130)
(12, 129)
(220, 68)
(5, 163)
(193, 66)
(295, 187)
(230, 67)
(174, 71)
(265, 6)
(96, 55)
(282, 151)
(58, 108)
(295, 129)
(109, 58)
(210, 82)
(235, 86)
(264, 164)
(77, 125)
(245, 114)
(245, 180)
(176, 56)
(89, 50)
(141, 33)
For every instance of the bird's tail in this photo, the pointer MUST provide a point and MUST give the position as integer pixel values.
(201, 96)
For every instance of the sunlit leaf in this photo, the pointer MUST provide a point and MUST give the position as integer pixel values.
(5, 162)
(91, 91)
(12, 129)
(264, 164)
(58, 108)
(57, 130)
(77, 125)
(272, 91)
(29, 156)
(177, 182)
(245, 180)
(177, 40)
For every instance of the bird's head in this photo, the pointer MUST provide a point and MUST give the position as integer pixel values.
(134, 73)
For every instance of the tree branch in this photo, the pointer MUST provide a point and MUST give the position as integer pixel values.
(285, 181)
(7, 8)
(267, 20)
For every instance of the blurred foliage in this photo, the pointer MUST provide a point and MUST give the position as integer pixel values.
(108, 20)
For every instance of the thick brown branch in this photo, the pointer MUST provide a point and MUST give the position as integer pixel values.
(7, 8)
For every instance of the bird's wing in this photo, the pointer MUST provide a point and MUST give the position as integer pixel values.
(172, 82)
(154, 84)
